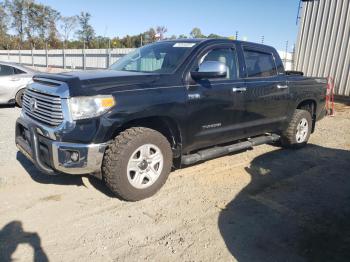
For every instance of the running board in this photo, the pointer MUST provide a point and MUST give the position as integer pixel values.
(224, 150)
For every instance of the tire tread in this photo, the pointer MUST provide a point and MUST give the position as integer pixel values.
(288, 135)
(115, 155)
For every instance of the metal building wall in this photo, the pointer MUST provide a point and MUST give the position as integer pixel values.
(323, 45)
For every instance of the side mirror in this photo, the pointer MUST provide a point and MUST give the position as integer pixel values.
(210, 69)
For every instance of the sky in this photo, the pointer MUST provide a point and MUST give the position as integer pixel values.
(273, 19)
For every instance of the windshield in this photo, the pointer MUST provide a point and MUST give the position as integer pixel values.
(161, 57)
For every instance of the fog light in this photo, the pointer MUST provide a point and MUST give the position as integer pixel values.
(74, 156)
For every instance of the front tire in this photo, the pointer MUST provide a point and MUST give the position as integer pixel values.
(19, 97)
(137, 163)
(299, 130)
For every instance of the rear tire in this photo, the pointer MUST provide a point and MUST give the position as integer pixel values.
(137, 163)
(19, 97)
(299, 129)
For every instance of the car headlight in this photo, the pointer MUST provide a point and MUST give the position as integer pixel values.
(83, 107)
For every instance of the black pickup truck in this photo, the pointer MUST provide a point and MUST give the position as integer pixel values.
(165, 105)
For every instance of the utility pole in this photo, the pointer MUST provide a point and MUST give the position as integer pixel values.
(285, 57)
(64, 54)
(293, 58)
(84, 56)
(32, 55)
(109, 53)
(47, 55)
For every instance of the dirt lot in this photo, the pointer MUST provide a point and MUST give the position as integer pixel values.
(266, 204)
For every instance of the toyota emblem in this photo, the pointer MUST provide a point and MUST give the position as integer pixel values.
(33, 104)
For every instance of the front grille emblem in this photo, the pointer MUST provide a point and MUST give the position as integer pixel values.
(33, 104)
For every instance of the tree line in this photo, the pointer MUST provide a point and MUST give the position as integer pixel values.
(27, 24)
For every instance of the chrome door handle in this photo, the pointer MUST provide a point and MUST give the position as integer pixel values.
(282, 86)
(239, 89)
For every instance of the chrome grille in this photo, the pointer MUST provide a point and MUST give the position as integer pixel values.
(42, 107)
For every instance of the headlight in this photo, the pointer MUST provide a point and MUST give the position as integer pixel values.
(83, 107)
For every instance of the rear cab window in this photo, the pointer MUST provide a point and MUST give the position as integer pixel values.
(259, 63)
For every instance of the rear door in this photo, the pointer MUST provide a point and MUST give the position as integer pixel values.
(267, 94)
(8, 82)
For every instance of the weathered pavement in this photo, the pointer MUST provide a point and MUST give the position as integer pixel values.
(267, 204)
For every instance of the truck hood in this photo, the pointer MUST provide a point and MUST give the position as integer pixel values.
(99, 82)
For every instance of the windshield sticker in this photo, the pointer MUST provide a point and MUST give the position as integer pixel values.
(187, 45)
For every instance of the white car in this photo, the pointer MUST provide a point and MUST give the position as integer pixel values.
(13, 80)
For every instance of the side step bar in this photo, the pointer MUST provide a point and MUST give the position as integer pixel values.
(224, 150)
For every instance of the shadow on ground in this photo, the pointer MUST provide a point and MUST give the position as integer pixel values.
(296, 208)
(7, 106)
(12, 235)
(60, 179)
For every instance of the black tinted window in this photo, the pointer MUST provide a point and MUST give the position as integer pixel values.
(6, 70)
(226, 56)
(259, 64)
(19, 71)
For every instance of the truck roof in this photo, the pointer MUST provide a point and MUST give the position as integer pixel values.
(213, 40)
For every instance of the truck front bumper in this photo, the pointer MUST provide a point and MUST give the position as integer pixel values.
(51, 156)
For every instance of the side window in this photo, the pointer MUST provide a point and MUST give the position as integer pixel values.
(259, 64)
(6, 70)
(224, 55)
(18, 71)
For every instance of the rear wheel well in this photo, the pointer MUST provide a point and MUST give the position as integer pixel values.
(164, 125)
(310, 106)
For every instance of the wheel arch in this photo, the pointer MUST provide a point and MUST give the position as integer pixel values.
(19, 90)
(309, 105)
(167, 126)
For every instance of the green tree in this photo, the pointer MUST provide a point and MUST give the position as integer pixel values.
(52, 17)
(17, 10)
(116, 43)
(182, 36)
(3, 27)
(68, 24)
(215, 36)
(196, 33)
(161, 30)
(86, 32)
(33, 16)
(149, 36)
(3, 20)
(41, 27)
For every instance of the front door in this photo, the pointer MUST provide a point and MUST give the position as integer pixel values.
(215, 106)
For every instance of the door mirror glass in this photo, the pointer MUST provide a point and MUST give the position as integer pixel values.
(210, 69)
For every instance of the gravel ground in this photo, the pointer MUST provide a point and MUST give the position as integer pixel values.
(266, 204)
